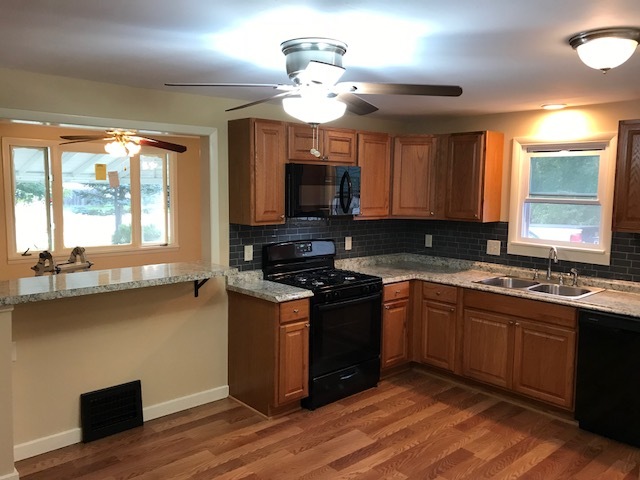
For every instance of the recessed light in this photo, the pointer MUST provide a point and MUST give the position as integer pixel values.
(554, 106)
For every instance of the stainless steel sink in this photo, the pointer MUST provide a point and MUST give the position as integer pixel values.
(508, 282)
(564, 290)
(533, 286)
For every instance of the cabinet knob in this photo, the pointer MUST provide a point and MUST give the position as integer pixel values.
(386, 307)
(307, 325)
(511, 322)
(295, 310)
(517, 324)
(452, 309)
(397, 292)
(282, 216)
(432, 213)
(438, 293)
(475, 215)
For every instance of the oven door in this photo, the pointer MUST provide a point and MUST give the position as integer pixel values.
(344, 334)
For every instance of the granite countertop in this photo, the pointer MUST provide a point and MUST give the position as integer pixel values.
(619, 297)
(49, 287)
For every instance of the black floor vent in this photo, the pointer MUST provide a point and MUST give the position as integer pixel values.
(111, 410)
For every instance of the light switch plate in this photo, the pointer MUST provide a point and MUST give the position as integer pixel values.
(248, 253)
(493, 247)
(347, 243)
(428, 241)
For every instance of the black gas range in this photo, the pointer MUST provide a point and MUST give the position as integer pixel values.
(345, 320)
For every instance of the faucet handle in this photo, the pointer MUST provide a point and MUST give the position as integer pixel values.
(574, 276)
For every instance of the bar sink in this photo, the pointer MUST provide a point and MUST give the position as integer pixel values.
(508, 282)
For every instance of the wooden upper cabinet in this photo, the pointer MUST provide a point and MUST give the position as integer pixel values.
(257, 155)
(472, 166)
(374, 159)
(626, 204)
(335, 145)
(414, 176)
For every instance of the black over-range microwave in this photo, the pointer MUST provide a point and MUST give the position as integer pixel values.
(322, 190)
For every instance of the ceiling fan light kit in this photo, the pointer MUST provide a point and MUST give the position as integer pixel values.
(606, 48)
(314, 110)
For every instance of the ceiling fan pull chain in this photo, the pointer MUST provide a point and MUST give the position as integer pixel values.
(314, 141)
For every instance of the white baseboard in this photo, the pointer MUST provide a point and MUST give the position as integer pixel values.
(69, 437)
(11, 476)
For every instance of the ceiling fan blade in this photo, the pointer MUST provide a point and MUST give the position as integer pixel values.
(251, 104)
(277, 86)
(83, 138)
(152, 142)
(365, 88)
(355, 104)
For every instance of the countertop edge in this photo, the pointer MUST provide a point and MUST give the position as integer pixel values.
(67, 285)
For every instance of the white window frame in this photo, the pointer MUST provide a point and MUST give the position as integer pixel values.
(594, 254)
(55, 166)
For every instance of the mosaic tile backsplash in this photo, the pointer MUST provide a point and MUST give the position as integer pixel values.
(461, 240)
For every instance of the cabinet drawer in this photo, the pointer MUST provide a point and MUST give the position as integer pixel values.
(394, 291)
(295, 310)
(443, 293)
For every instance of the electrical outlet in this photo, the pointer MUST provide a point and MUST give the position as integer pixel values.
(248, 253)
(493, 247)
(347, 243)
(428, 241)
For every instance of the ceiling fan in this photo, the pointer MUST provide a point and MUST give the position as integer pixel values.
(314, 65)
(124, 142)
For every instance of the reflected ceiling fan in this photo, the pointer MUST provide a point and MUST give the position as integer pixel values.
(314, 65)
(124, 142)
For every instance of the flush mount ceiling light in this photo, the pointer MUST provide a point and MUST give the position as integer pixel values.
(606, 48)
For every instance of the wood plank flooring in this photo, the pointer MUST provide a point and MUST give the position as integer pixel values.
(412, 426)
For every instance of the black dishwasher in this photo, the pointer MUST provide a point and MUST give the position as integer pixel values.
(608, 376)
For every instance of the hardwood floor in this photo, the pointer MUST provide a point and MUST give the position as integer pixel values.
(413, 426)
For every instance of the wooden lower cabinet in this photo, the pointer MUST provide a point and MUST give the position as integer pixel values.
(523, 345)
(487, 353)
(268, 353)
(438, 325)
(544, 362)
(395, 318)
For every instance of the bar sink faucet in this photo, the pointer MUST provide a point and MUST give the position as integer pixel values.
(553, 255)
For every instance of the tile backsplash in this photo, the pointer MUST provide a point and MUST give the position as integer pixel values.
(462, 240)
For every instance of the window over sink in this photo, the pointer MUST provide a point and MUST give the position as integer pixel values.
(62, 196)
(562, 196)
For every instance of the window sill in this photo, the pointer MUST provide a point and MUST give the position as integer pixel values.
(571, 254)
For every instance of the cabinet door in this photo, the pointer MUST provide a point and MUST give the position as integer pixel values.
(374, 159)
(335, 145)
(544, 361)
(268, 173)
(438, 334)
(626, 205)
(464, 167)
(414, 176)
(293, 361)
(339, 146)
(487, 353)
(394, 333)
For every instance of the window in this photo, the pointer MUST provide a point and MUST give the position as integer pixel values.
(562, 196)
(63, 196)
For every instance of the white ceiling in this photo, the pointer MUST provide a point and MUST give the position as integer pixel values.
(507, 55)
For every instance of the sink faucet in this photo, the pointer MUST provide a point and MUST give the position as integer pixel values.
(553, 255)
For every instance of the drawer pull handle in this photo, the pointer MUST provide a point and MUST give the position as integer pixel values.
(295, 310)
(397, 292)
